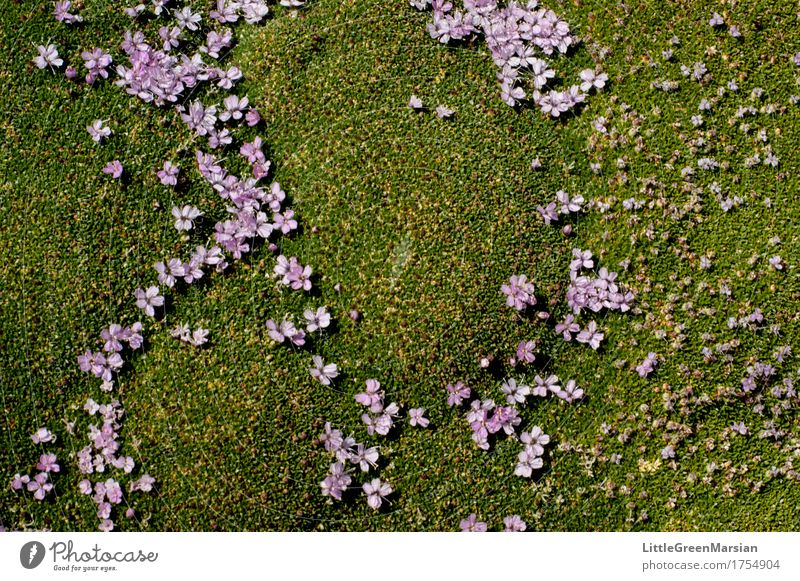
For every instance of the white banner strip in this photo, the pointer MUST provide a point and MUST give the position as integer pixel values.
(388, 556)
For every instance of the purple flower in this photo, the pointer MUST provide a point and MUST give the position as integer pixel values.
(322, 372)
(114, 169)
(253, 11)
(383, 423)
(252, 117)
(144, 483)
(570, 392)
(336, 482)
(530, 458)
(331, 439)
(168, 273)
(188, 19)
(536, 438)
(527, 462)
(456, 393)
(98, 130)
(567, 327)
(515, 393)
(235, 108)
(647, 366)
(62, 14)
(415, 103)
(225, 12)
(471, 524)
(168, 176)
(525, 351)
(19, 482)
(96, 61)
(226, 78)
(591, 335)
(591, 80)
(148, 299)
(170, 36)
(417, 418)
(364, 457)
(716, 20)
(776, 262)
(583, 259)
(444, 112)
(39, 486)
(216, 42)
(376, 492)
(548, 213)
(284, 222)
(48, 463)
(47, 57)
(573, 204)
(504, 418)
(292, 273)
(185, 216)
(543, 386)
(519, 292)
(43, 436)
(372, 397)
(514, 524)
(316, 320)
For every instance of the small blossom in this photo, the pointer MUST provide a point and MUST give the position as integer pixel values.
(48, 56)
(114, 169)
(168, 176)
(148, 299)
(514, 524)
(471, 524)
(43, 436)
(456, 393)
(417, 417)
(376, 492)
(319, 319)
(185, 217)
(444, 112)
(322, 372)
(98, 130)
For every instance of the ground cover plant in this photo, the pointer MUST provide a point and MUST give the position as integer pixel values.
(399, 266)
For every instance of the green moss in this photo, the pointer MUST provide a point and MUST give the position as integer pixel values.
(420, 220)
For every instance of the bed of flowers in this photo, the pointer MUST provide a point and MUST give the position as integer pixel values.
(627, 290)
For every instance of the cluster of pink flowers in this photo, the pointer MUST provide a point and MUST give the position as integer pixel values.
(105, 363)
(530, 458)
(594, 293)
(379, 418)
(515, 33)
(196, 338)
(158, 74)
(486, 418)
(286, 332)
(291, 273)
(511, 524)
(40, 484)
(648, 365)
(100, 455)
(349, 452)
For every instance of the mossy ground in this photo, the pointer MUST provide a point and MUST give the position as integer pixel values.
(420, 220)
